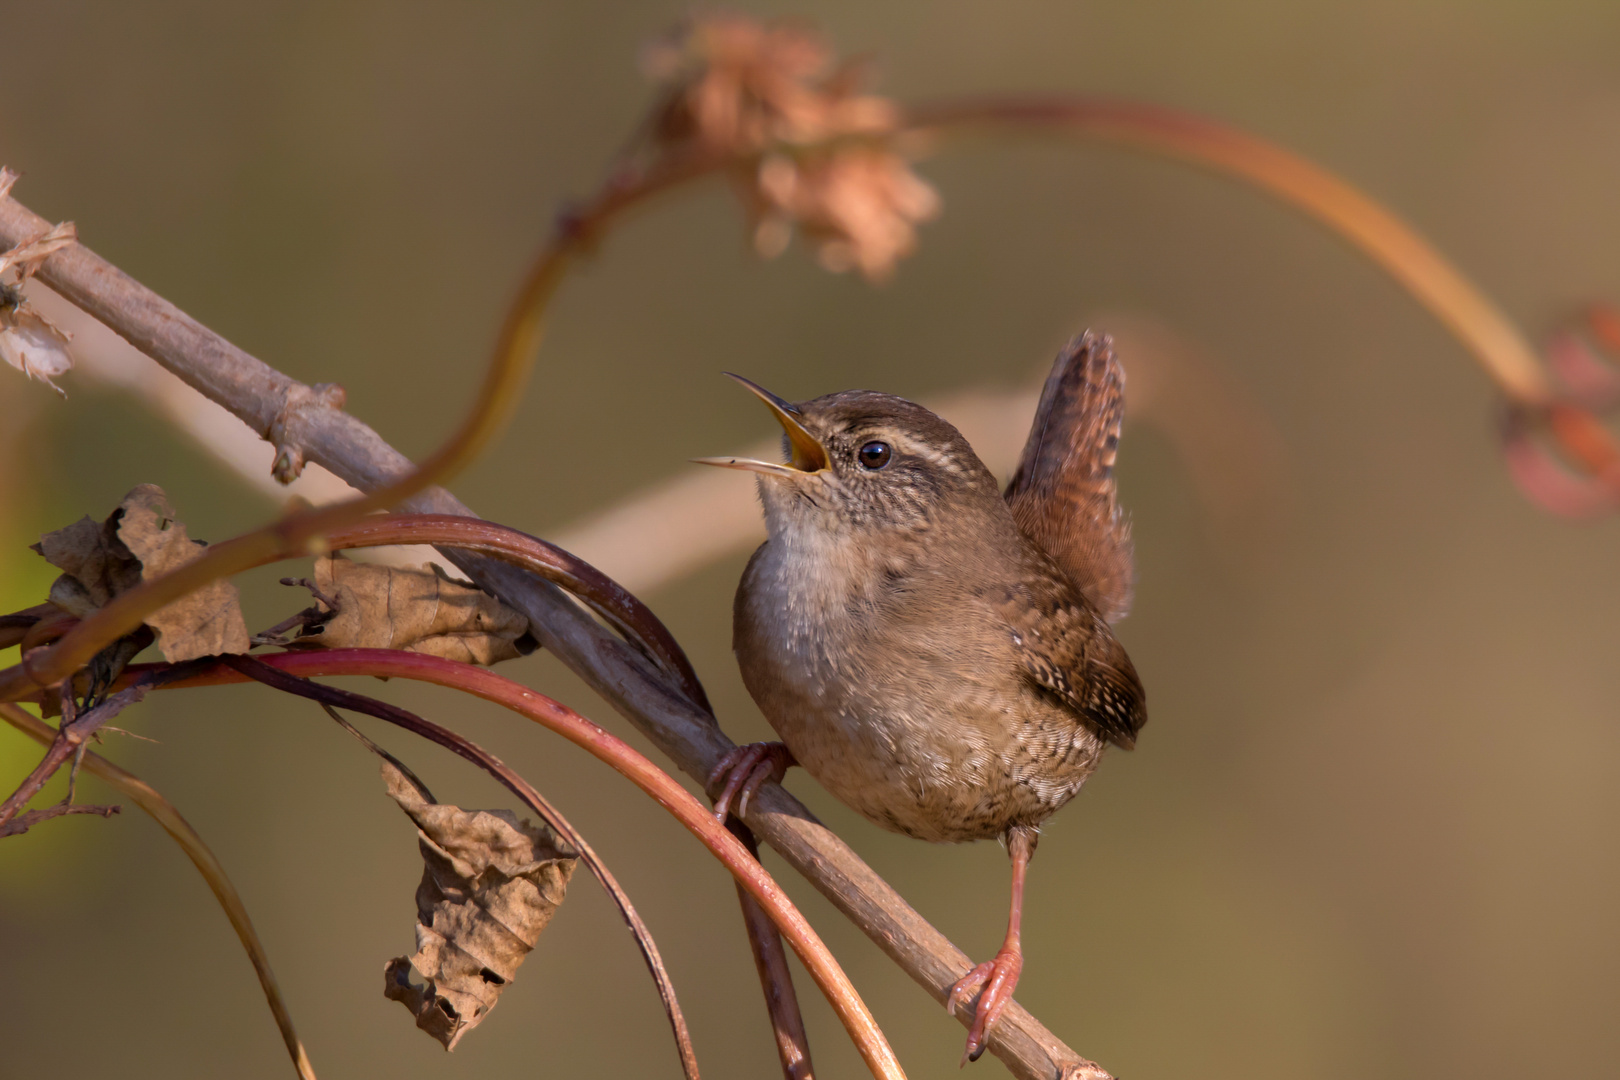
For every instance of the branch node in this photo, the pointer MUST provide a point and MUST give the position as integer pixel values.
(295, 419)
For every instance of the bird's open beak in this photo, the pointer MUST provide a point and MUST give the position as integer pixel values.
(807, 453)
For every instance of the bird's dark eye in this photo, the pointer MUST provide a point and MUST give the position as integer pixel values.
(874, 455)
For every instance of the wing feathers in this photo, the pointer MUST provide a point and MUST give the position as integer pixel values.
(1063, 495)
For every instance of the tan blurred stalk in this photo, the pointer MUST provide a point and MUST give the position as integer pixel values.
(1229, 450)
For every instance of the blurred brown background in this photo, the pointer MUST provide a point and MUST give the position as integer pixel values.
(1371, 830)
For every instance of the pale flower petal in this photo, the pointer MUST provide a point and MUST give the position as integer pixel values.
(34, 346)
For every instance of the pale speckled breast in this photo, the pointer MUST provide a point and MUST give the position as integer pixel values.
(921, 728)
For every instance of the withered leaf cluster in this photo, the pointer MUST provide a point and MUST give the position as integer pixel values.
(415, 609)
(141, 540)
(490, 884)
(813, 151)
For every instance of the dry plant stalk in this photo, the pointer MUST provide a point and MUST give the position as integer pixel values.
(331, 698)
(202, 857)
(664, 789)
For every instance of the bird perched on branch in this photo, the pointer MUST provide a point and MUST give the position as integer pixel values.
(935, 652)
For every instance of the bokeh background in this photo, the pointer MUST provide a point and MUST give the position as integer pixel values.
(1371, 829)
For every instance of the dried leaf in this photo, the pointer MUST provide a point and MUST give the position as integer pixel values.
(98, 567)
(390, 607)
(490, 884)
(203, 623)
(142, 540)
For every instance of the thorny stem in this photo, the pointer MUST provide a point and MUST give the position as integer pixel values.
(75, 730)
(256, 668)
(664, 789)
(23, 822)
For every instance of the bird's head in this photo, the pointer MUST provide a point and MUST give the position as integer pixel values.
(859, 461)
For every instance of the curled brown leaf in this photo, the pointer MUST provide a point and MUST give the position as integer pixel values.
(413, 608)
(139, 541)
(490, 884)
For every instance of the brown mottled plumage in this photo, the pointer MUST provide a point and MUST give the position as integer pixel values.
(1063, 495)
(936, 655)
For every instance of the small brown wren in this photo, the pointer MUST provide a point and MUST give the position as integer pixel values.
(936, 652)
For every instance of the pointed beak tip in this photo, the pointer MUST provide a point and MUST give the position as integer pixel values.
(747, 465)
(809, 456)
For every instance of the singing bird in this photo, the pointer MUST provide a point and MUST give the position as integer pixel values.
(937, 653)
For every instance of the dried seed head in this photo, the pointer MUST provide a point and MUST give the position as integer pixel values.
(811, 151)
(30, 342)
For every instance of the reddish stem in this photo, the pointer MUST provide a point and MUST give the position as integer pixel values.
(664, 789)
(605, 596)
(255, 668)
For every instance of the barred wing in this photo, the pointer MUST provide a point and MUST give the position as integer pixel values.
(1063, 495)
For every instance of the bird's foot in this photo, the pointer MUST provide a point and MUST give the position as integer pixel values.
(744, 769)
(998, 977)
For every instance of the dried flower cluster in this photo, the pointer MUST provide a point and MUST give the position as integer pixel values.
(811, 150)
(29, 341)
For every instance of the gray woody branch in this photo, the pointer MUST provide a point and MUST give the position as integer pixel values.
(308, 423)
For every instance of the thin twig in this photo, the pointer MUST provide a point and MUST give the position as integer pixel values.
(70, 739)
(13, 627)
(23, 822)
(351, 450)
(775, 977)
(164, 813)
(639, 625)
(329, 696)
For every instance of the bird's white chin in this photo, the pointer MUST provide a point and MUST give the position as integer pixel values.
(800, 504)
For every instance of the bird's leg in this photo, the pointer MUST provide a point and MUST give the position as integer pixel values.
(998, 977)
(744, 768)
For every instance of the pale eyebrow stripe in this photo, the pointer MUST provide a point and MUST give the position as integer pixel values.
(922, 450)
